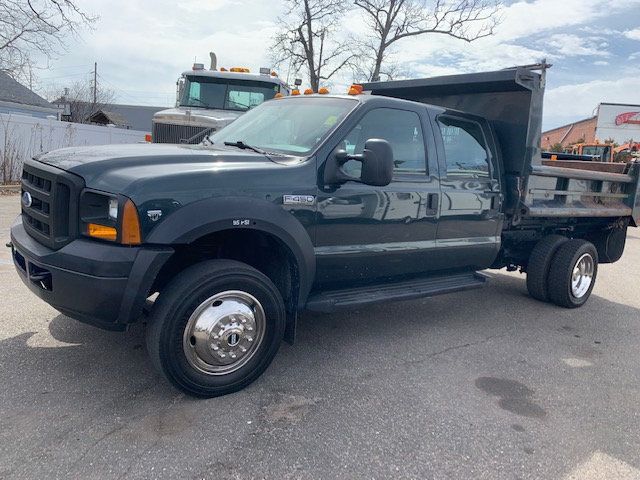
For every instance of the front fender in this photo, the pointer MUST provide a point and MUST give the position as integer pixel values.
(211, 215)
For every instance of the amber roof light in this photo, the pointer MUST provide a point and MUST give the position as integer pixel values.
(355, 89)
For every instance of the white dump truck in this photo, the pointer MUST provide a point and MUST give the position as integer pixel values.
(207, 100)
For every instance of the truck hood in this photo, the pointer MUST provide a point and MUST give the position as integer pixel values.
(115, 167)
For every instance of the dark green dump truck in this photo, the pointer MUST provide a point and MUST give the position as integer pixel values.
(318, 202)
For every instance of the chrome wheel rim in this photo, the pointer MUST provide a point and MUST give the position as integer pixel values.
(224, 332)
(582, 276)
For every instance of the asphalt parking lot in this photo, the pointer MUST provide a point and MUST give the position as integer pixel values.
(485, 384)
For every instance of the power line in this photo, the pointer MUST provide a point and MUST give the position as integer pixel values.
(136, 98)
(65, 76)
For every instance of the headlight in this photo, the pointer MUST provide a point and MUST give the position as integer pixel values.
(113, 208)
(109, 217)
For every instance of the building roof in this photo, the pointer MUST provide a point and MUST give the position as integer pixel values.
(14, 92)
(108, 117)
(569, 125)
(137, 117)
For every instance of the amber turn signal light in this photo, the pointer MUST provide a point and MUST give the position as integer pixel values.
(102, 232)
(355, 89)
(130, 225)
(323, 91)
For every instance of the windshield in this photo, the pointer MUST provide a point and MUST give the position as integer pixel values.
(293, 126)
(225, 93)
(600, 151)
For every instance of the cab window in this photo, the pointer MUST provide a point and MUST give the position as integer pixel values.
(401, 128)
(465, 149)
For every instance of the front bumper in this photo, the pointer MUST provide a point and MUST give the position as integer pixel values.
(94, 282)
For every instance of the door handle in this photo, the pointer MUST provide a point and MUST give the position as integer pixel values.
(495, 200)
(432, 204)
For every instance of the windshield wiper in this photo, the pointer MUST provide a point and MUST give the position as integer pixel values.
(202, 102)
(240, 144)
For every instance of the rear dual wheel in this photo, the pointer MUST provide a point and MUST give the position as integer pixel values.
(562, 271)
(572, 275)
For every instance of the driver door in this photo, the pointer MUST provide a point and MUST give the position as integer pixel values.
(368, 232)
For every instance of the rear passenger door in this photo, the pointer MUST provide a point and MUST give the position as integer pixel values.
(470, 220)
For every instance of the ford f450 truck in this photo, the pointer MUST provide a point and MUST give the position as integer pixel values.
(316, 202)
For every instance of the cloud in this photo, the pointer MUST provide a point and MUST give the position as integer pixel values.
(142, 46)
(569, 45)
(601, 62)
(570, 102)
(633, 34)
(525, 18)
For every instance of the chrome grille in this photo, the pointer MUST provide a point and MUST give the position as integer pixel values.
(51, 216)
(171, 133)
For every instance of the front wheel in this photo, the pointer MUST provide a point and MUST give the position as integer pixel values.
(216, 327)
(572, 274)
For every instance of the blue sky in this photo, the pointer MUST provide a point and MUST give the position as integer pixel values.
(142, 46)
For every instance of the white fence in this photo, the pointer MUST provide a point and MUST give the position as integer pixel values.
(23, 137)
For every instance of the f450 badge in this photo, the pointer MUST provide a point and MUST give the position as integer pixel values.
(305, 200)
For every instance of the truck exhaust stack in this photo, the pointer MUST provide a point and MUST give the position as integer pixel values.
(214, 61)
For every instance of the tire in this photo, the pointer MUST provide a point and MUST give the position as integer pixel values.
(568, 257)
(212, 310)
(539, 264)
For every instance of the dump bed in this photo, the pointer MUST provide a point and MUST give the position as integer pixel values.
(511, 100)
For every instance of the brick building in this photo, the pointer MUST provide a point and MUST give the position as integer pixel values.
(582, 130)
(617, 121)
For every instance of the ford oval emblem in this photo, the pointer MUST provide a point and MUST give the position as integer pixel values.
(26, 199)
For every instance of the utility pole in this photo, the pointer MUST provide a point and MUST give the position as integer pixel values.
(95, 83)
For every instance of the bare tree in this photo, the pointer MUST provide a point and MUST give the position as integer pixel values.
(305, 39)
(79, 98)
(29, 27)
(393, 20)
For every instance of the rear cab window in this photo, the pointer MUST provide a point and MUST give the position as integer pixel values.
(465, 148)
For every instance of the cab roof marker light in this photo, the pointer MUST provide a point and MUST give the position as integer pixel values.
(295, 92)
(222, 69)
(355, 89)
(308, 91)
(278, 95)
(323, 91)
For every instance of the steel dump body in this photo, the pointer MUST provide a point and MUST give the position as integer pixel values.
(511, 101)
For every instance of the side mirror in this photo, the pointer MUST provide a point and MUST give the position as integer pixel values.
(179, 90)
(377, 165)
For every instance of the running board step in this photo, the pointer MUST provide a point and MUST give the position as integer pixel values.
(335, 300)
